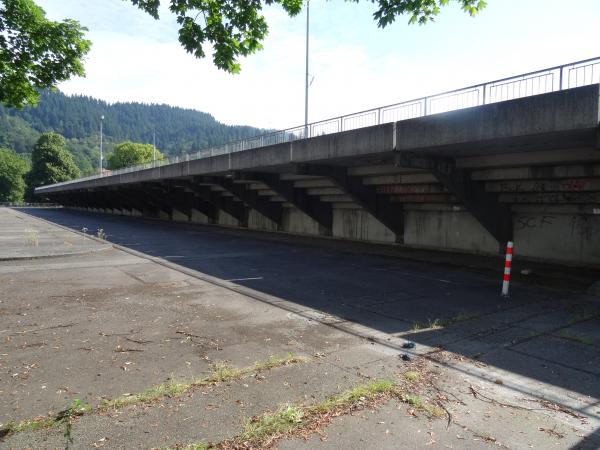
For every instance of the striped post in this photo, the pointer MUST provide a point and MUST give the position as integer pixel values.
(507, 265)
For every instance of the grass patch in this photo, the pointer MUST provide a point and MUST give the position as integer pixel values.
(359, 395)
(574, 338)
(196, 446)
(170, 389)
(430, 324)
(289, 419)
(442, 323)
(29, 425)
(284, 420)
(422, 405)
(76, 408)
(461, 317)
(220, 373)
(584, 315)
(411, 376)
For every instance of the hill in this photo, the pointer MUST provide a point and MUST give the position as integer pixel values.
(77, 118)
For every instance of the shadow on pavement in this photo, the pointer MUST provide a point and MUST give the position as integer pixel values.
(548, 336)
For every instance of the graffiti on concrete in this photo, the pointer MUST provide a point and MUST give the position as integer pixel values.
(581, 226)
(554, 197)
(584, 226)
(524, 222)
(410, 189)
(565, 185)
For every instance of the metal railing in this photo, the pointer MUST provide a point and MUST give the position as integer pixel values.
(576, 74)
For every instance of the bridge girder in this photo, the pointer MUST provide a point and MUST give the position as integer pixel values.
(494, 216)
(321, 212)
(390, 214)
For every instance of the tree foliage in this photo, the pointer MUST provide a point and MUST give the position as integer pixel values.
(51, 162)
(12, 170)
(237, 28)
(36, 53)
(77, 118)
(129, 153)
(419, 11)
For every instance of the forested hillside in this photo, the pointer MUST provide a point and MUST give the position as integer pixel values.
(77, 118)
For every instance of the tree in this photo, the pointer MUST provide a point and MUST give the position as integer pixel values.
(36, 53)
(130, 153)
(51, 162)
(12, 170)
(236, 28)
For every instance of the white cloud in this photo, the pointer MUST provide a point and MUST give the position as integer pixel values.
(355, 65)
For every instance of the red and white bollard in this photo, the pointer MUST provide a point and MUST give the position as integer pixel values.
(507, 265)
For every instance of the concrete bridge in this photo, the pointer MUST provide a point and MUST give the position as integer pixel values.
(501, 168)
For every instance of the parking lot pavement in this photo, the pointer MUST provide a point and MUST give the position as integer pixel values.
(294, 325)
(25, 239)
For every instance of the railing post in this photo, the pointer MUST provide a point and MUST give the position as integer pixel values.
(484, 88)
(560, 82)
(425, 106)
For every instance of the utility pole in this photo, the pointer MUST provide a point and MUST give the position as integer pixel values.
(154, 146)
(101, 121)
(306, 78)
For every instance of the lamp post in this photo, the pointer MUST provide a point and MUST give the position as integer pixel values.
(154, 147)
(306, 74)
(101, 158)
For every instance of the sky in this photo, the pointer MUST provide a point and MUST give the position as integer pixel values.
(354, 64)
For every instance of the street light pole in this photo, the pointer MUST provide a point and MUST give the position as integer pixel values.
(101, 158)
(306, 78)
(154, 146)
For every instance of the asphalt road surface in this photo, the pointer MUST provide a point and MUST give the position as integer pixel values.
(386, 293)
(545, 341)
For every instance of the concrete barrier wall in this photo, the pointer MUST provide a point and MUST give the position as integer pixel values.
(558, 236)
(359, 225)
(295, 221)
(561, 234)
(447, 230)
(257, 221)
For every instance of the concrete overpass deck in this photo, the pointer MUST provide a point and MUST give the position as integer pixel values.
(469, 180)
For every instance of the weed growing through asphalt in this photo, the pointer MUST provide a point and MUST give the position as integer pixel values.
(431, 324)
(411, 375)
(220, 373)
(169, 389)
(66, 416)
(442, 323)
(76, 408)
(289, 420)
(31, 238)
(574, 338)
(101, 234)
(282, 421)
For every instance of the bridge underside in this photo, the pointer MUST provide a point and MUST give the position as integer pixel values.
(526, 170)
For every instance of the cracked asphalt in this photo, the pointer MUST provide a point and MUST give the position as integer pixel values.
(517, 373)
